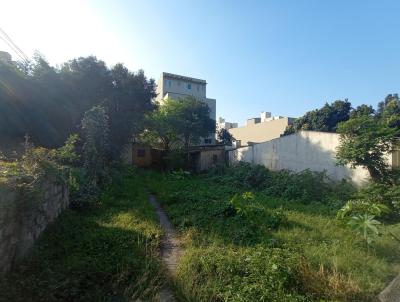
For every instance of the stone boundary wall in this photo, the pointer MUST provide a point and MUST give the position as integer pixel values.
(24, 216)
(297, 152)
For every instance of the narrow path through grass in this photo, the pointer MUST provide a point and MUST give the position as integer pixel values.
(170, 248)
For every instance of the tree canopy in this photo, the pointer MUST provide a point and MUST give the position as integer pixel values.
(225, 137)
(48, 103)
(183, 121)
(324, 119)
(369, 135)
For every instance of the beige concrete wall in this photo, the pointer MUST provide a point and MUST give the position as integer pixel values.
(297, 152)
(261, 132)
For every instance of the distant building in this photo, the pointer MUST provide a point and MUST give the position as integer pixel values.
(222, 124)
(260, 129)
(5, 57)
(176, 86)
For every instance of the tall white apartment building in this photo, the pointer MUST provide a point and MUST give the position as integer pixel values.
(176, 86)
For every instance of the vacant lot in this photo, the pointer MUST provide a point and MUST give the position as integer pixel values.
(255, 247)
(245, 240)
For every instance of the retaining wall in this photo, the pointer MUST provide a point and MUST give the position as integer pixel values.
(24, 215)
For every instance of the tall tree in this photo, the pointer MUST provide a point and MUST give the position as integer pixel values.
(96, 143)
(185, 120)
(131, 99)
(367, 137)
(160, 128)
(48, 103)
(324, 119)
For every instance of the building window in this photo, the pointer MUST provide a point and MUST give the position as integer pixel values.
(189, 86)
(141, 153)
(197, 86)
(169, 83)
(207, 141)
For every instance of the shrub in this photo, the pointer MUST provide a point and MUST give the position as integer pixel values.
(243, 175)
(385, 194)
(362, 207)
(306, 186)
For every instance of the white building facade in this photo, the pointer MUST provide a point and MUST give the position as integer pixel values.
(222, 124)
(176, 86)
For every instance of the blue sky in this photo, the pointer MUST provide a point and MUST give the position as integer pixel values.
(286, 57)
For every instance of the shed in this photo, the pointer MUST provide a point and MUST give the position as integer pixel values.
(203, 158)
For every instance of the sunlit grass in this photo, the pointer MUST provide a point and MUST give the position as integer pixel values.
(328, 260)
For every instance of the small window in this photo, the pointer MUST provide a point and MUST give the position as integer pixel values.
(197, 86)
(189, 86)
(141, 153)
(169, 83)
(207, 141)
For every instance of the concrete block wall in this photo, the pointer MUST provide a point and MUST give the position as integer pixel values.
(300, 151)
(23, 219)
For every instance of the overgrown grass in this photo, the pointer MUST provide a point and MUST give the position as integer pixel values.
(105, 253)
(274, 249)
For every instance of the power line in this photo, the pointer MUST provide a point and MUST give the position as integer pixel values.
(6, 38)
(12, 48)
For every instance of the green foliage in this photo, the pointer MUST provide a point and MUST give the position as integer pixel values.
(68, 154)
(364, 141)
(362, 110)
(366, 226)
(324, 119)
(131, 98)
(109, 253)
(243, 175)
(175, 160)
(368, 136)
(362, 207)
(324, 258)
(180, 174)
(240, 203)
(48, 103)
(190, 119)
(96, 145)
(305, 186)
(260, 274)
(160, 127)
(387, 194)
(225, 137)
(31, 167)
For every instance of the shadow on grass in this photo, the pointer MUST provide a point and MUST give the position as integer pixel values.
(78, 258)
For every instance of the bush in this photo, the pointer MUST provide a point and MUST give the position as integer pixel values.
(306, 186)
(385, 194)
(362, 207)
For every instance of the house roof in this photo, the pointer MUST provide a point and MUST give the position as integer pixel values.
(180, 77)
